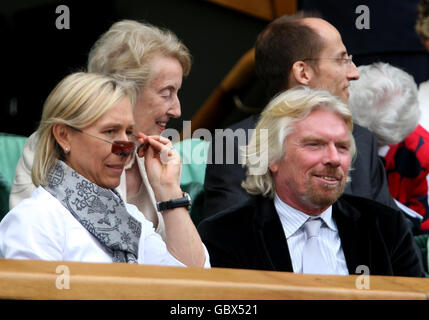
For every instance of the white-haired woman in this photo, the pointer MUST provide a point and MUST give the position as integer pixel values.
(154, 61)
(75, 214)
(385, 100)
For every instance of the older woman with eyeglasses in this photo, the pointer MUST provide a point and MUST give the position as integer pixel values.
(84, 142)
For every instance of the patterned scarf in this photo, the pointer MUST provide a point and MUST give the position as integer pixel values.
(100, 211)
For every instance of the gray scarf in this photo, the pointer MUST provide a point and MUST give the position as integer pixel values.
(100, 211)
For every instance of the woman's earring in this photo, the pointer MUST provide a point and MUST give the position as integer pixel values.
(66, 150)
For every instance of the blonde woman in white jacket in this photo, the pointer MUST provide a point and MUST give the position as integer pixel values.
(85, 139)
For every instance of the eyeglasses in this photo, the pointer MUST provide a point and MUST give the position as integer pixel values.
(120, 148)
(344, 61)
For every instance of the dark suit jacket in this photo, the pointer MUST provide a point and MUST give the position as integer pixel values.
(250, 236)
(222, 185)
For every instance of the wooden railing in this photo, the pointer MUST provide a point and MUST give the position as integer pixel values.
(25, 279)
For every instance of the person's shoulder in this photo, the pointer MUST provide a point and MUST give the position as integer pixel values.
(232, 226)
(360, 132)
(419, 131)
(40, 200)
(30, 144)
(240, 213)
(366, 142)
(365, 207)
(247, 123)
(416, 142)
(40, 209)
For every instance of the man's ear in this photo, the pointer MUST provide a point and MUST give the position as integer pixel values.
(62, 134)
(301, 73)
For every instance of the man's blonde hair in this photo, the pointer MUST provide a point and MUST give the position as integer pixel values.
(277, 121)
(79, 100)
(126, 49)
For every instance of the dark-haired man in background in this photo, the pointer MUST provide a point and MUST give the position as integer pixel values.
(299, 50)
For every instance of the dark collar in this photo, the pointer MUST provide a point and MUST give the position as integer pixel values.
(271, 235)
(353, 235)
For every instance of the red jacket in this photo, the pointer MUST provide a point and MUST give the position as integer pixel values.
(407, 167)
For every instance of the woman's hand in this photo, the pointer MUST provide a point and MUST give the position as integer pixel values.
(163, 166)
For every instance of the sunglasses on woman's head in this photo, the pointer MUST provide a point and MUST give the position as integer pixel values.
(120, 148)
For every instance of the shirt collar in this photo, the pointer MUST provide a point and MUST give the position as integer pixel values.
(293, 219)
(382, 151)
(131, 161)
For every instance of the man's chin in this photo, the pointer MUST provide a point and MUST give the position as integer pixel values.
(324, 198)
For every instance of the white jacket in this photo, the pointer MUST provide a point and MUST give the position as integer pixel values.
(40, 227)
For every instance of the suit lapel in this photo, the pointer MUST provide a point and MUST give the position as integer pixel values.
(353, 237)
(273, 244)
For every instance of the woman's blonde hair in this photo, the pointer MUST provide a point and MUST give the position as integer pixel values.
(267, 144)
(125, 50)
(79, 100)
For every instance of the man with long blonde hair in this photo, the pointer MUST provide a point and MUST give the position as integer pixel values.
(297, 218)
